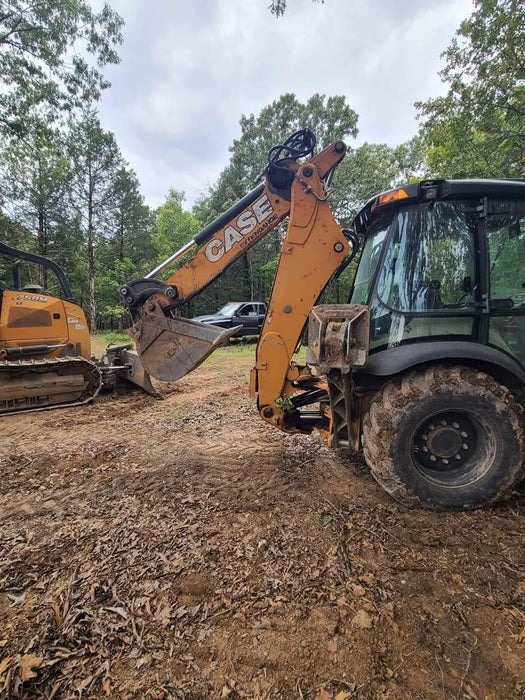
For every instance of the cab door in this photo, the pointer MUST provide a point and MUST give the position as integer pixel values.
(505, 233)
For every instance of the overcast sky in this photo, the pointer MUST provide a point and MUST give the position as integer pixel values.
(191, 68)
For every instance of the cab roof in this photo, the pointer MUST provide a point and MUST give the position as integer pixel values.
(428, 190)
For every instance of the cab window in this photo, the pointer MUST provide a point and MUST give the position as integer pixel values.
(430, 261)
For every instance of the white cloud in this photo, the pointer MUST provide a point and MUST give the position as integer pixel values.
(190, 69)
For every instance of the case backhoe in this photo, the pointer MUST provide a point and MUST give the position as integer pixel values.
(424, 368)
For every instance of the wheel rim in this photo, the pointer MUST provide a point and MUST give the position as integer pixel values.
(452, 447)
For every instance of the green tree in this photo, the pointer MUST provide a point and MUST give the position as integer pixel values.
(132, 220)
(329, 118)
(35, 173)
(126, 250)
(96, 159)
(478, 127)
(44, 47)
(173, 227)
(370, 169)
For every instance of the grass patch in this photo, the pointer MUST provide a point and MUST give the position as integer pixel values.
(238, 347)
(100, 341)
(116, 338)
(247, 348)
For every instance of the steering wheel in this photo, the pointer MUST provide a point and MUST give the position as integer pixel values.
(467, 294)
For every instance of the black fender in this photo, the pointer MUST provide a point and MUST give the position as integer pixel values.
(392, 361)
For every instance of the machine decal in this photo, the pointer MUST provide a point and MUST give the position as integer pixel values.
(31, 297)
(245, 224)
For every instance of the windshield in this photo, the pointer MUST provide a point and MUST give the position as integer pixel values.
(368, 262)
(228, 309)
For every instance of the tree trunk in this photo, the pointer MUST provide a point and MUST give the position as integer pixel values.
(247, 287)
(42, 243)
(121, 240)
(91, 261)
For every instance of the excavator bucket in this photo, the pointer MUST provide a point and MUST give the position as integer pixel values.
(170, 348)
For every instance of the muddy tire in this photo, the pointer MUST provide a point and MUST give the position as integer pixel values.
(446, 438)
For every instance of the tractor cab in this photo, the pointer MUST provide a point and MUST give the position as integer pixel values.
(442, 270)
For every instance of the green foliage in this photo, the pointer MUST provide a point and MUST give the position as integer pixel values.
(44, 47)
(172, 227)
(370, 169)
(478, 128)
(96, 161)
(131, 221)
(278, 7)
(329, 118)
(114, 338)
(34, 180)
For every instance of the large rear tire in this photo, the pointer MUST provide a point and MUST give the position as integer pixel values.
(446, 438)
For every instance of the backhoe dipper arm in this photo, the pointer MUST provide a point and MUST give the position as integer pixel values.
(314, 246)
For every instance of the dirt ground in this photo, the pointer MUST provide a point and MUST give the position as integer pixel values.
(181, 548)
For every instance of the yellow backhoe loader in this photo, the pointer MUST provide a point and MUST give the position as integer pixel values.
(424, 368)
(45, 349)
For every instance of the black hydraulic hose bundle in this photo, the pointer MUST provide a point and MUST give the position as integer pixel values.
(301, 144)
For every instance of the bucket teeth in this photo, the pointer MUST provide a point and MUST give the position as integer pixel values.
(172, 347)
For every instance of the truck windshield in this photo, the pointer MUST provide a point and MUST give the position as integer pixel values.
(228, 310)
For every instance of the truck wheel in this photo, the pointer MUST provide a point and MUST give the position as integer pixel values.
(446, 438)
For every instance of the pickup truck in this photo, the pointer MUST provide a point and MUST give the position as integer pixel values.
(248, 314)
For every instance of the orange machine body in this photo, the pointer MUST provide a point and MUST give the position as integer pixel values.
(28, 319)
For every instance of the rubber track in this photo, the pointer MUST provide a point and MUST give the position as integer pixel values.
(394, 401)
(63, 366)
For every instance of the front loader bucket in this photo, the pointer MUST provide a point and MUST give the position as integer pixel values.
(171, 347)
